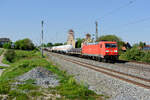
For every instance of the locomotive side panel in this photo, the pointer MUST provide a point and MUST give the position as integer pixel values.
(104, 49)
(92, 50)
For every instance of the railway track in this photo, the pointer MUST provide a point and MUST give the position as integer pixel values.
(139, 81)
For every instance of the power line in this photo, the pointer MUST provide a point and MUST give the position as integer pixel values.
(132, 23)
(137, 21)
(117, 9)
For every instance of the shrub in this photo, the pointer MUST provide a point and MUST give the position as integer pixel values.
(133, 54)
(25, 44)
(146, 58)
(10, 55)
(7, 45)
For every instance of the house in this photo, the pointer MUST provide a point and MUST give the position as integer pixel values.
(146, 48)
(4, 40)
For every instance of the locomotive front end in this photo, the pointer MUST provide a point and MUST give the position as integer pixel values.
(111, 51)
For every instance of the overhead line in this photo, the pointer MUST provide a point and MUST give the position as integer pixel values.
(137, 21)
(117, 9)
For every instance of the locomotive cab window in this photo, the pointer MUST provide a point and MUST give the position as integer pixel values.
(110, 45)
(100, 45)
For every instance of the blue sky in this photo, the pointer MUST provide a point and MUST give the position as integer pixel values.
(21, 19)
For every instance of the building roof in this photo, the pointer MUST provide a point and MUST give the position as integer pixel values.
(71, 30)
(5, 39)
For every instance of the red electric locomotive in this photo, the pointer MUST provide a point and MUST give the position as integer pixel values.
(104, 50)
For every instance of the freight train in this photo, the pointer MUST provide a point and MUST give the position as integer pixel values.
(101, 51)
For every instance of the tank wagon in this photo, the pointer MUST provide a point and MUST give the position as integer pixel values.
(62, 49)
(102, 51)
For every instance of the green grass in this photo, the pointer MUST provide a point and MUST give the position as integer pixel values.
(27, 87)
(1, 51)
(22, 66)
(24, 62)
(35, 94)
(4, 87)
(3, 67)
(30, 81)
(18, 95)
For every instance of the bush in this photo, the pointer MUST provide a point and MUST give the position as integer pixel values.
(25, 44)
(133, 54)
(7, 45)
(10, 55)
(146, 58)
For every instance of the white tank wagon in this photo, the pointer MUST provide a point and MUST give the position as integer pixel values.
(62, 48)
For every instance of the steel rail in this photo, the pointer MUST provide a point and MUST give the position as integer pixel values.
(101, 69)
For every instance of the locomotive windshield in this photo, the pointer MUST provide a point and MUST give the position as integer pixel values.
(110, 45)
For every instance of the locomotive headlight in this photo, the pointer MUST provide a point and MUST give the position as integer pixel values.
(107, 51)
(115, 50)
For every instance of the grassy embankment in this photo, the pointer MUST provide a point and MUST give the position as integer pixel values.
(25, 61)
(1, 51)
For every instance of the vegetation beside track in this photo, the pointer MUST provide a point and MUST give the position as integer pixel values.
(3, 67)
(1, 51)
(24, 61)
(135, 54)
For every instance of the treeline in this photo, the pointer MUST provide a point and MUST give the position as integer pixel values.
(24, 44)
(52, 44)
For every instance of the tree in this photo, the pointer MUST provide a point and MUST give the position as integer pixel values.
(142, 44)
(10, 55)
(79, 42)
(49, 44)
(25, 44)
(65, 43)
(58, 44)
(7, 45)
(109, 38)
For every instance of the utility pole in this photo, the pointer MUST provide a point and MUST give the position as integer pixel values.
(42, 22)
(96, 34)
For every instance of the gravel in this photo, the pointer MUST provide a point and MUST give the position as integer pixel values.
(42, 77)
(100, 83)
(139, 70)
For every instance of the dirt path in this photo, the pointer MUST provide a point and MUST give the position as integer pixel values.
(1, 64)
